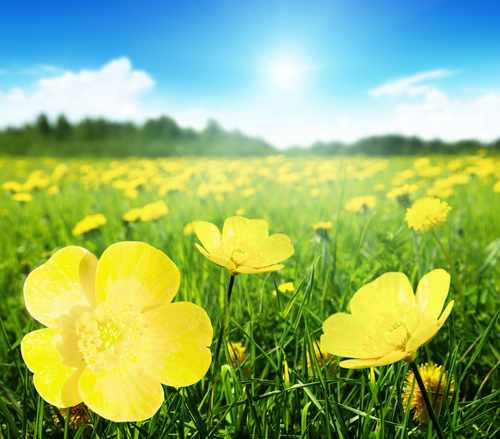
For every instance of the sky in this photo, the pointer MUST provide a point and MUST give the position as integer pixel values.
(292, 72)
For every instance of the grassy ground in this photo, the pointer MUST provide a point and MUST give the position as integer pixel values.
(273, 390)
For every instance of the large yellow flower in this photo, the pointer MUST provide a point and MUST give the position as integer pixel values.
(244, 246)
(388, 322)
(113, 336)
(427, 213)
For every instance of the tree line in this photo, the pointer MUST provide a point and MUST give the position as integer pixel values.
(164, 137)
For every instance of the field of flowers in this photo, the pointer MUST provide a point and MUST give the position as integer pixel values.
(274, 368)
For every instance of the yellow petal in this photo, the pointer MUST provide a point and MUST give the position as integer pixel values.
(344, 335)
(244, 229)
(390, 358)
(248, 270)
(423, 336)
(57, 384)
(135, 272)
(382, 295)
(209, 235)
(63, 285)
(217, 258)
(275, 248)
(179, 336)
(432, 292)
(125, 393)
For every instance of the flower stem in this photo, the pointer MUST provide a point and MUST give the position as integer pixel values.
(456, 279)
(430, 410)
(417, 254)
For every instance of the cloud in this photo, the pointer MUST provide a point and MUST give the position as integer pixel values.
(410, 85)
(113, 92)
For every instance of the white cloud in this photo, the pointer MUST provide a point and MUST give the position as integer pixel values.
(410, 85)
(112, 92)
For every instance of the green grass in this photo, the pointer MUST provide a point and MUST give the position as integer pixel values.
(283, 397)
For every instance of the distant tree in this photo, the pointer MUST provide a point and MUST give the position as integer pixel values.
(63, 129)
(42, 125)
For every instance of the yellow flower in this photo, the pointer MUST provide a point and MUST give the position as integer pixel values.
(12, 186)
(435, 379)
(440, 192)
(238, 356)
(402, 193)
(113, 336)
(244, 246)
(189, 229)
(22, 197)
(240, 212)
(288, 286)
(322, 357)
(323, 226)
(496, 187)
(388, 322)
(427, 213)
(52, 190)
(89, 223)
(77, 416)
(149, 212)
(357, 204)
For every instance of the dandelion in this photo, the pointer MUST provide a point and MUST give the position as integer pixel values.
(112, 335)
(12, 186)
(440, 192)
(435, 379)
(288, 286)
(402, 194)
(190, 229)
(88, 223)
(427, 213)
(388, 322)
(496, 187)
(52, 190)
(244, 246)
(238, 357)
(22, 197)
(322, 357)
(322, 226)
(357, 204)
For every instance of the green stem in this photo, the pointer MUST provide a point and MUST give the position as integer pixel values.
(430, 410)
(417, 254)
(10, 420)
(456, 279)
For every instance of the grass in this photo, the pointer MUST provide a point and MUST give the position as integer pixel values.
(282, 396)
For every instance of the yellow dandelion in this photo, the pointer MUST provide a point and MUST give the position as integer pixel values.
(427, 213)
(358, 204)
(288, 286)
(240, 212)
(190, 229)
(322, 357)
(12, 186)
(435, 379)
(88, 223)
(322, 225)
(440, 192)
(402, 194)
(239, 356)
(496, 187)
(22, 197)
(52, 190)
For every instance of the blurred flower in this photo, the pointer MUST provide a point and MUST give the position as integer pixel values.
(240, 212)
(113, 336)
(88, 223)
(435, 379)
(322, 225)
(288, 286)
(149, 212)
(388, 323)
(439, 192)
(379, 187)
(402, 194)
(52, 190)
(190, 229)
(22, 197)
(239, 356)
(496, 187)
(322, 357)
(12, 186)
(244, 246)
(314, 192)
(357, 204)
(248, 192)
(427, 213)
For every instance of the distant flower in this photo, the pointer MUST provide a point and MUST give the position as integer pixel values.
(402, 194)
(112, 335)
(322, 357)
(22, 197)
(244, 246)
(288, 286)
(435, 379)
(379, 187)
(496, 187)
(427, 213)
(12, 186)
(315, 192)
(248, 192)
(190, 229)
(52, 190)
(322, 225)
(240, 212)
(357, 204)
(239, 356)
(440, 192)
(149, 212)
(388, 323)
(89, 223)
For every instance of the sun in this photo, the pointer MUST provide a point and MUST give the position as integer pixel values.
(286, 75)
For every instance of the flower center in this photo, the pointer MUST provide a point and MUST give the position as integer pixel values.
(110, 334)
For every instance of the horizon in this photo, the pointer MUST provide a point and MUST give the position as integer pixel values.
(290, 73)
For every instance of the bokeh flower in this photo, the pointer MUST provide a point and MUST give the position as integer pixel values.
(388, 323)
(22, 197)
(88, 223)
(239, 356)
(402, 194)
(427, 213)
(322, 357)
(435, 380)
(288, 286)
(357, 204)
(244, 246)
(112, 335)
(190, 229)
(149, 212)
(322, 225)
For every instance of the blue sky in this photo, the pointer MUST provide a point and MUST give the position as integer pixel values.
(290, 71)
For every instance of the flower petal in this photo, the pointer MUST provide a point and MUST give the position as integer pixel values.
(244, 229)
(275, 248)
(382, 295)
(125, 393)
(178, 343)
(209, 235)
(344, 335)
(217, 258)
(56, 383)
(248, 270)
(423, 336)
(432, 291)
(136, 273)
(390, 358)
(65, 281)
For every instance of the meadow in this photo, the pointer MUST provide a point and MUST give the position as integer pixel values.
(272, 379)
